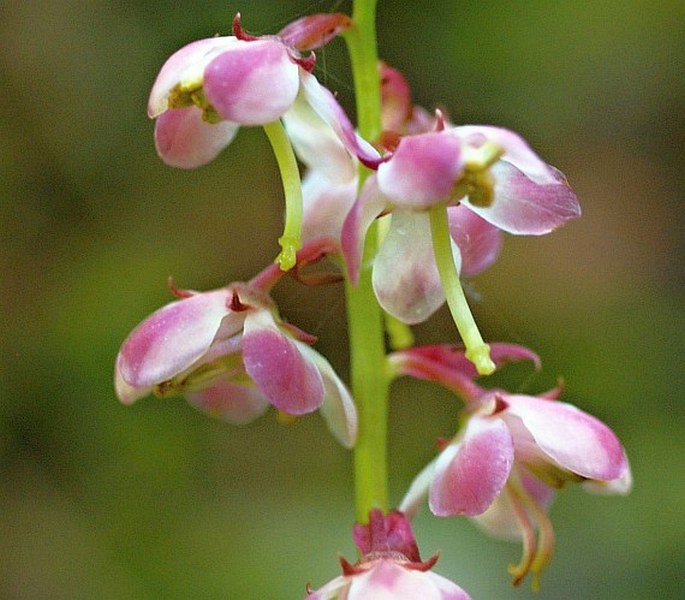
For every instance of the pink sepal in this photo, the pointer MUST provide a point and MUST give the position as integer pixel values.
(184, 140)
(314, 31)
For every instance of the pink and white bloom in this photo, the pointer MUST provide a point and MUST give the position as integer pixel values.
(231, 356)
(390, 567)
(489, 179)
(206, 90)
(511, 454)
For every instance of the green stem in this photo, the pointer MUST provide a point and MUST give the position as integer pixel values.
(361, 43)
(291, 240)
(365, 321)
(477, 351)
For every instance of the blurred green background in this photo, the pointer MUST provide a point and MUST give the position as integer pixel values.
(158, 501)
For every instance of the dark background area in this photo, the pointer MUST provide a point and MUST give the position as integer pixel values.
(154, 501)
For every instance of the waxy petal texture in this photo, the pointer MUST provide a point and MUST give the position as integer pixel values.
(479, 242)
(185, 69)
(524, 207)
(252, 84)
(338, 407)
(172, 339)
(290, 381)
(405, 277)
(470, 474)
(421, 171)
(572, 439)
(183, 139)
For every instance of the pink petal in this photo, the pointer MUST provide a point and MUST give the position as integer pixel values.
(331, 590)
(323, 102)
(521, 206)
(126, 393)
(252, 83)
(422, 171)
(471, 474)
(289, 380)
(185, 67)
(565, 436)
(326, 205)
(338, 408)
(172, 339)
(317, 144)
(183, 139)
(405, 277)
(233, 402)
(368, 206)
(390, 580)
(622, 485)
(479, 242)
(516, 150)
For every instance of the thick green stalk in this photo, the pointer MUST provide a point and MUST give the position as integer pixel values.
(365, 322)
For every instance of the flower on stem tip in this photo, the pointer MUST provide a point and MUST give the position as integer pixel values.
(510, 455)
(210, 87)
(390, 566)
(231, 355)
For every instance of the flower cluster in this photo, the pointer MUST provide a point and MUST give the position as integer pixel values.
(405, 215)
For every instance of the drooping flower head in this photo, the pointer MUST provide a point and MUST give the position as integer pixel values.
(511, 454)
(231, 355)
(489, 179)
(210, 87)
(444, 194)
(390, 566)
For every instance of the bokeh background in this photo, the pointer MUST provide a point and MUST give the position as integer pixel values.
(158, 501)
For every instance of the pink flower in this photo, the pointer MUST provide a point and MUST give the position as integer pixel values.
(489, 179)
(511, 454)
(231, 356)
(207, 89)
(389, 568)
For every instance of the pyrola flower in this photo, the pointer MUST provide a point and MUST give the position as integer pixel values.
(390, 567)
(230, 354)
(206, 90)
(488, 178)
(512, 452)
